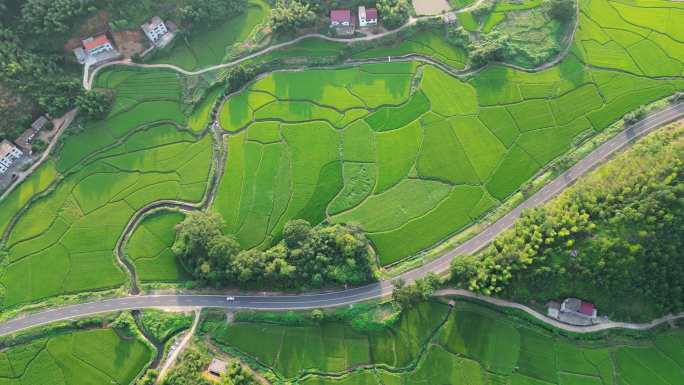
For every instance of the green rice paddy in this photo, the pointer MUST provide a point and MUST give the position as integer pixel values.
(208, 47)
(63, 241)
(468, 345)
(444, 144)
(404, 150)
(92, 357)
(150, 248)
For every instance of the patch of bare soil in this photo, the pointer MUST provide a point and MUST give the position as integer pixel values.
(431, 7)
(129, 42)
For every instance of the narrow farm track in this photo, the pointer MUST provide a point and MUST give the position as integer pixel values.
(89, 75)
(383, 288)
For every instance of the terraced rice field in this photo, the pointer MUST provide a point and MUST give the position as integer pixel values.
(405, 150)
(150, 248)
(92, 357)
(474, 345)
(64, 240)
(428, 43)
(208, 47)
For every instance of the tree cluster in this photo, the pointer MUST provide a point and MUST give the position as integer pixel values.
(405, 296)
(561, 10)
(290, 15)
(200, 13)
(306, 256)
(617, 234)
(95, 104)
(394, 13)
(32, 64)
(188, 371)
(458, 36)
(192, 363)
(237, 375)
(53, 16)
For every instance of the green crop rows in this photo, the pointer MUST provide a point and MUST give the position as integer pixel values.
(150, 248)
(92, 357)
(473, 346)
(413, 165)
(210, 46)
(405, 150)
(64, 241)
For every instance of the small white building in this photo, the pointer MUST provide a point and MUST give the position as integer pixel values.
(367, 16)
(8, 154)
(155, 29)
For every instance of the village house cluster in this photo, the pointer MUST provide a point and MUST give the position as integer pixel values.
(22, 146)
(100, 49)
(343, 23)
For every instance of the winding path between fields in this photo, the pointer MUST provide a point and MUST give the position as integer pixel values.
(89, 75)
(269, 301)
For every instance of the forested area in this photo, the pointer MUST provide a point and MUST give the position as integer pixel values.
(615, 238)
(306, 257)
(37, 75)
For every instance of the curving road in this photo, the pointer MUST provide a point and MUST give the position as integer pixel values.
(375, 290)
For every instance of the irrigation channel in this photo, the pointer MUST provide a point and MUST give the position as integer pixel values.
(303, 301)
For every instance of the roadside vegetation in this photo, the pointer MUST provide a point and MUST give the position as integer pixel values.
(612, 238)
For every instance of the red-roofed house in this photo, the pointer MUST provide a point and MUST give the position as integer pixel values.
(341, 20)
(340, 17)
(574, 311)
(97, 44)
(367, 16)
(588, 309)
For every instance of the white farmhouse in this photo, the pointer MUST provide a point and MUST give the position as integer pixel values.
(155, 29)
(8, 154)
(367, 16)
(98, 44)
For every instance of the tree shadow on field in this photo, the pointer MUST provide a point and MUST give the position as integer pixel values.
(572, 70)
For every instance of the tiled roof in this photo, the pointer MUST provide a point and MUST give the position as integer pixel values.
(340, 15)
(95, 42)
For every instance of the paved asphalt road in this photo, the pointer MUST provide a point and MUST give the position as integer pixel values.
(372, 291)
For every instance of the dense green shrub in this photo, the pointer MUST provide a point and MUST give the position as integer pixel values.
(394, 13)
(289, 15)
(306, 257)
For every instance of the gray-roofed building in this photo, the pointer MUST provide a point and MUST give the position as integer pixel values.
(80, 54)
(156, 31)
(8, 154)
(39, 123)
(217, 367)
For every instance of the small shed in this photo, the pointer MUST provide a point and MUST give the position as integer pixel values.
(553, 309)
(217, 367)
(80, 54)
(39, 123)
